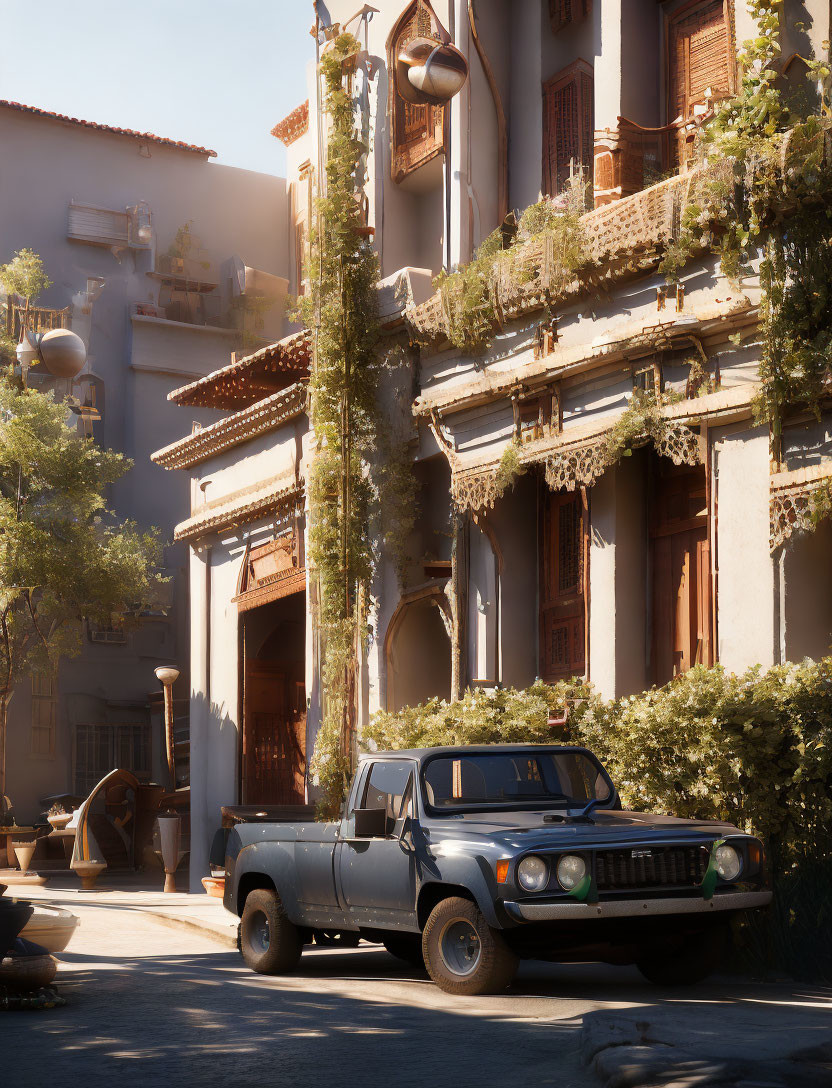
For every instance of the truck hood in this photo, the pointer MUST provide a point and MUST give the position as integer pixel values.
(517, 831)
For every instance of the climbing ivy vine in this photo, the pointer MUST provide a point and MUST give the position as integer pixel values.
(773, 203)
(341, 309)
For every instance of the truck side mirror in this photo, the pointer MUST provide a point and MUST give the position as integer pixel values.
(370, 823)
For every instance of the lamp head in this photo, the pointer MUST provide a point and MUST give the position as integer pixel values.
(166, 674)
(430, 72)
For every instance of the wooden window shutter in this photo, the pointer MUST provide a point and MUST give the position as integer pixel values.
(563, 525)
(564, 12)
(699, 55)
(569, 125)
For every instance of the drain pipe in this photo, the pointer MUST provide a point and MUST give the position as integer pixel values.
(502, 132)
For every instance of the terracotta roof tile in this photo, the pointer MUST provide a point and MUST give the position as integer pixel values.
(245, 381)
(293, 126)
(149, 136)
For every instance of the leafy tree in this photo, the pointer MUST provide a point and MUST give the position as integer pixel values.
(24, 275)
(63, 556)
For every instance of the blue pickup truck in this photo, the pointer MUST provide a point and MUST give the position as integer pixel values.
(469, 859)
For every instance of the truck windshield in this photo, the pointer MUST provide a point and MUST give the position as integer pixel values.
(525, 779)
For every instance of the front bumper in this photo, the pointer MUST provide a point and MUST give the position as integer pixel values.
(632, 908)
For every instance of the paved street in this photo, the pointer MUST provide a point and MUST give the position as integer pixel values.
(151, 1004)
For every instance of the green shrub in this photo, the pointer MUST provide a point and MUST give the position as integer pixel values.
(754, 750)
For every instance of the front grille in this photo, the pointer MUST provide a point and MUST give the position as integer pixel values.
(650, 867)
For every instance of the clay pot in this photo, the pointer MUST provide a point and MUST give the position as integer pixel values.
(88, 872)
(27, 971)
(23, 851)
(214, 886)
(51, 927)
(59, 820)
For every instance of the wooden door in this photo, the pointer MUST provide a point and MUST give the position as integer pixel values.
(562, 571)
(681, 566)
(698, 59)
(274, 735)
(568, 126)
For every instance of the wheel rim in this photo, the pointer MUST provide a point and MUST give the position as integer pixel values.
(460, 947)
(259, 934)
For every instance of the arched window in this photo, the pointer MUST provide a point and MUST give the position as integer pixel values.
(418, 132)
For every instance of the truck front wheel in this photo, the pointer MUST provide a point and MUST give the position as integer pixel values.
(269, 942)
(463, 954)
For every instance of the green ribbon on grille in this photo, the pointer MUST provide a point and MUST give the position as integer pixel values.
(585, 890)
(708, 884)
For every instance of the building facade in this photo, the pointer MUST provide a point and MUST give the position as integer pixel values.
(689, 550)
(164, 263)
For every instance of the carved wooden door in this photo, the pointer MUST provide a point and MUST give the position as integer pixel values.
(569, 126)
(681, 566)
(274, 736)
(562, 573)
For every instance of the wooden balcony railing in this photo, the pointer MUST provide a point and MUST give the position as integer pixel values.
(631, 158)
(39, 319)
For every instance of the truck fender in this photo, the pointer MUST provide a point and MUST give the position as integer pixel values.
(461, 872)
(263, 864)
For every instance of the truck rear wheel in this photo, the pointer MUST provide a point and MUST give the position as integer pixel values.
(463, 954)
(688, 963)
(269, 942)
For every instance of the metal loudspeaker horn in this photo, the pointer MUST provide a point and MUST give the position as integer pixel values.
(430, 72)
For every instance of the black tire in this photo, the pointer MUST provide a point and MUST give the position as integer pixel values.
(689, 962)
(269, 942)
(406, 947)
(463, 954)
(337, 938)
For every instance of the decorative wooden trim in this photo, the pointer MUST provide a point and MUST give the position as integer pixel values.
(278, 586)
(245, 381)
(242, 507)
(265, 415)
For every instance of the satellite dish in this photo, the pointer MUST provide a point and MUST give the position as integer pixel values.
(63, 353)
(430, 72)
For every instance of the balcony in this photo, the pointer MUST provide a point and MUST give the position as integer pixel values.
(39, 319)
(632, 158)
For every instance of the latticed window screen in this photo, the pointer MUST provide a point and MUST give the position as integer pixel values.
(102, 748)
(569, 548)
(569, 125)
(44, 713)
(418, 131)
(564, 12)
(562, 575)
(699, 56)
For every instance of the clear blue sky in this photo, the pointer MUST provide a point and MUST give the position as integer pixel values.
(218, 73)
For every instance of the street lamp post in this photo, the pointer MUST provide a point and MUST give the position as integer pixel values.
(167, 676)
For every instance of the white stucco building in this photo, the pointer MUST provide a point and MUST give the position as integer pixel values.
(683, 553)
(153, 251)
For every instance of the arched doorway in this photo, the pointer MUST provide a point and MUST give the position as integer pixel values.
(418, 652)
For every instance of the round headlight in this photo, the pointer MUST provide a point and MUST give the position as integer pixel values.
(533, 874)
(728, 862)
(571, 871)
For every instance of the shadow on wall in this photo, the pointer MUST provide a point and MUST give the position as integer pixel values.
(215, 749)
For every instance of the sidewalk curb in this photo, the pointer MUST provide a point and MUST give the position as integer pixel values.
(208, 929)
